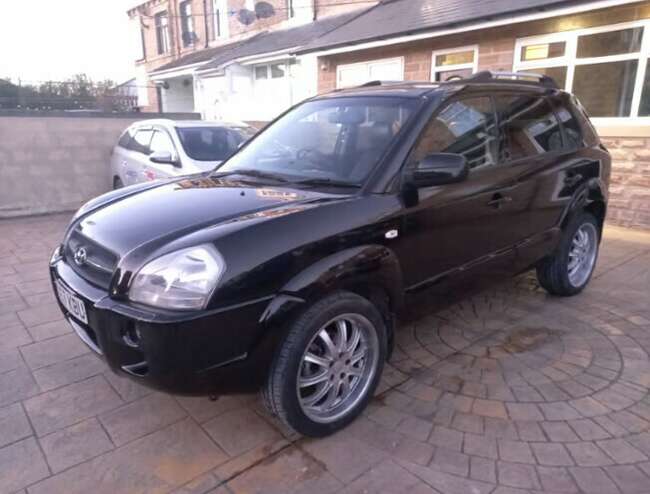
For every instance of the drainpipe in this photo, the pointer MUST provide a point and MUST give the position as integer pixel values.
(314, 9)
(205, 19)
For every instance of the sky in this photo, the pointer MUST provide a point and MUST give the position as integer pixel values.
(54, 39)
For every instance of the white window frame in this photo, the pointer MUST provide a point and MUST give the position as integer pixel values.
(269, 73)
(339, 68)
(220, 19)
(570, 61)
(459, 66)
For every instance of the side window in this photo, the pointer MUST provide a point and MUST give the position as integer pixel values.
(528, 127)
(463, 127)
(141, 141)
(578, 130)
(161, 142)
(125, 139)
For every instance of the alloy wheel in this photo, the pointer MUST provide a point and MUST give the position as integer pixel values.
(337, 368)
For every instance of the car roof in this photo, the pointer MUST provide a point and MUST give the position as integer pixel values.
(165, 122)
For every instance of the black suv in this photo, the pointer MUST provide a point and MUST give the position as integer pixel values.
(284, 268)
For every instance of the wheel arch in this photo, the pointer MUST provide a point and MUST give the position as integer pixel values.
(591, 198)
(371, 271)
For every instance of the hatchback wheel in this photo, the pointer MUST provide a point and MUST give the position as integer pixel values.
(328, 365)
(569, 270)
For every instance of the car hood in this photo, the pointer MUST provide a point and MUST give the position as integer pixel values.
(172, 209)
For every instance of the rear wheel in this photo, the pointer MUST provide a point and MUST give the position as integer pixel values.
(328, 366)
(570, 268)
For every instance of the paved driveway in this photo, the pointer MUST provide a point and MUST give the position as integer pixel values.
(506, 391)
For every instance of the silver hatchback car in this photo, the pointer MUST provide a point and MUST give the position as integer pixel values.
(152, 149)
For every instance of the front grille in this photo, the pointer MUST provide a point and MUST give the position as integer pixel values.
(98, 263)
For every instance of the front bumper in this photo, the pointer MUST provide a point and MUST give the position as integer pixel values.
(214, 352)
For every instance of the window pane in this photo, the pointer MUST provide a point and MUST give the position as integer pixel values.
(277, 71)
(463, 127)
(558, 74)
(606, 89)
(260, 72)
(528, 127)
(455, 58)
(161, 142)
(572, 129)
(542, 51)
(452, 75)
(610, 43)
(337, 138)
(205, 143)
(141, 140)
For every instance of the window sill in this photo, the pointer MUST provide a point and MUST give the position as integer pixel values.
(622, 127)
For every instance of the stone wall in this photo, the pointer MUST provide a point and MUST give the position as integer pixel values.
(629, 203)
(56, 163)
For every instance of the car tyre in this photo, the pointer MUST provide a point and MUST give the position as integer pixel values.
(117, 183)
(568, 271)
(327, 368)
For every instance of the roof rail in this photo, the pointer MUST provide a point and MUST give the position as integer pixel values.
(521, 77)
(382, 83)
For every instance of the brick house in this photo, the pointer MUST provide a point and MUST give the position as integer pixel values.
(177, 37)
(598, 49)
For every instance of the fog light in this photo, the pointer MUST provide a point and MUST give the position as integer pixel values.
(131, 336)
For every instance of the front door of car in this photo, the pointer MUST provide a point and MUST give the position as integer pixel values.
(137, 156)
(161, 142)
(457, 227)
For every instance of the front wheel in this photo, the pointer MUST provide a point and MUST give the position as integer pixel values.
(328, 366)
(568, 271)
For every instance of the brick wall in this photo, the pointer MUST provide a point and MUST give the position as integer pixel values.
(629, 203)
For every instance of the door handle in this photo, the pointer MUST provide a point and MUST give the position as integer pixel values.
(498, 200)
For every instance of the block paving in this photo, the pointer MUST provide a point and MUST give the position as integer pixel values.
(498, 390)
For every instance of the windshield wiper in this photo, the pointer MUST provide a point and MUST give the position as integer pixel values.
(252, 173)
(327, 182)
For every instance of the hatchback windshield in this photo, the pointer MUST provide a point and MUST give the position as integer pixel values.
(339, 140)
(212, 143)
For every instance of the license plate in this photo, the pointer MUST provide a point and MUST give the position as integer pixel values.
(71, 302)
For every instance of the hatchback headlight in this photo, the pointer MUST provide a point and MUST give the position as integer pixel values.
(182, 280)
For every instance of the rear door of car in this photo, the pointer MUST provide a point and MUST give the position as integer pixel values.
(532, 158)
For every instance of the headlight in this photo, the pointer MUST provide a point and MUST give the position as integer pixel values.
(182, 280)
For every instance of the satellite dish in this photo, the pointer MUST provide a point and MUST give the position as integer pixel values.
(264, 10)
(246, 17)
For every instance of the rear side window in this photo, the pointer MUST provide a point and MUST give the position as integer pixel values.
(464, 127)
(529, 127)
(141, 141)
(578, 131)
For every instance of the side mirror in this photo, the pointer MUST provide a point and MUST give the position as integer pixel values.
(440, 169)
(163, 158)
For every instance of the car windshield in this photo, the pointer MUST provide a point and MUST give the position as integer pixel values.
(212, 143)
(337, 141)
